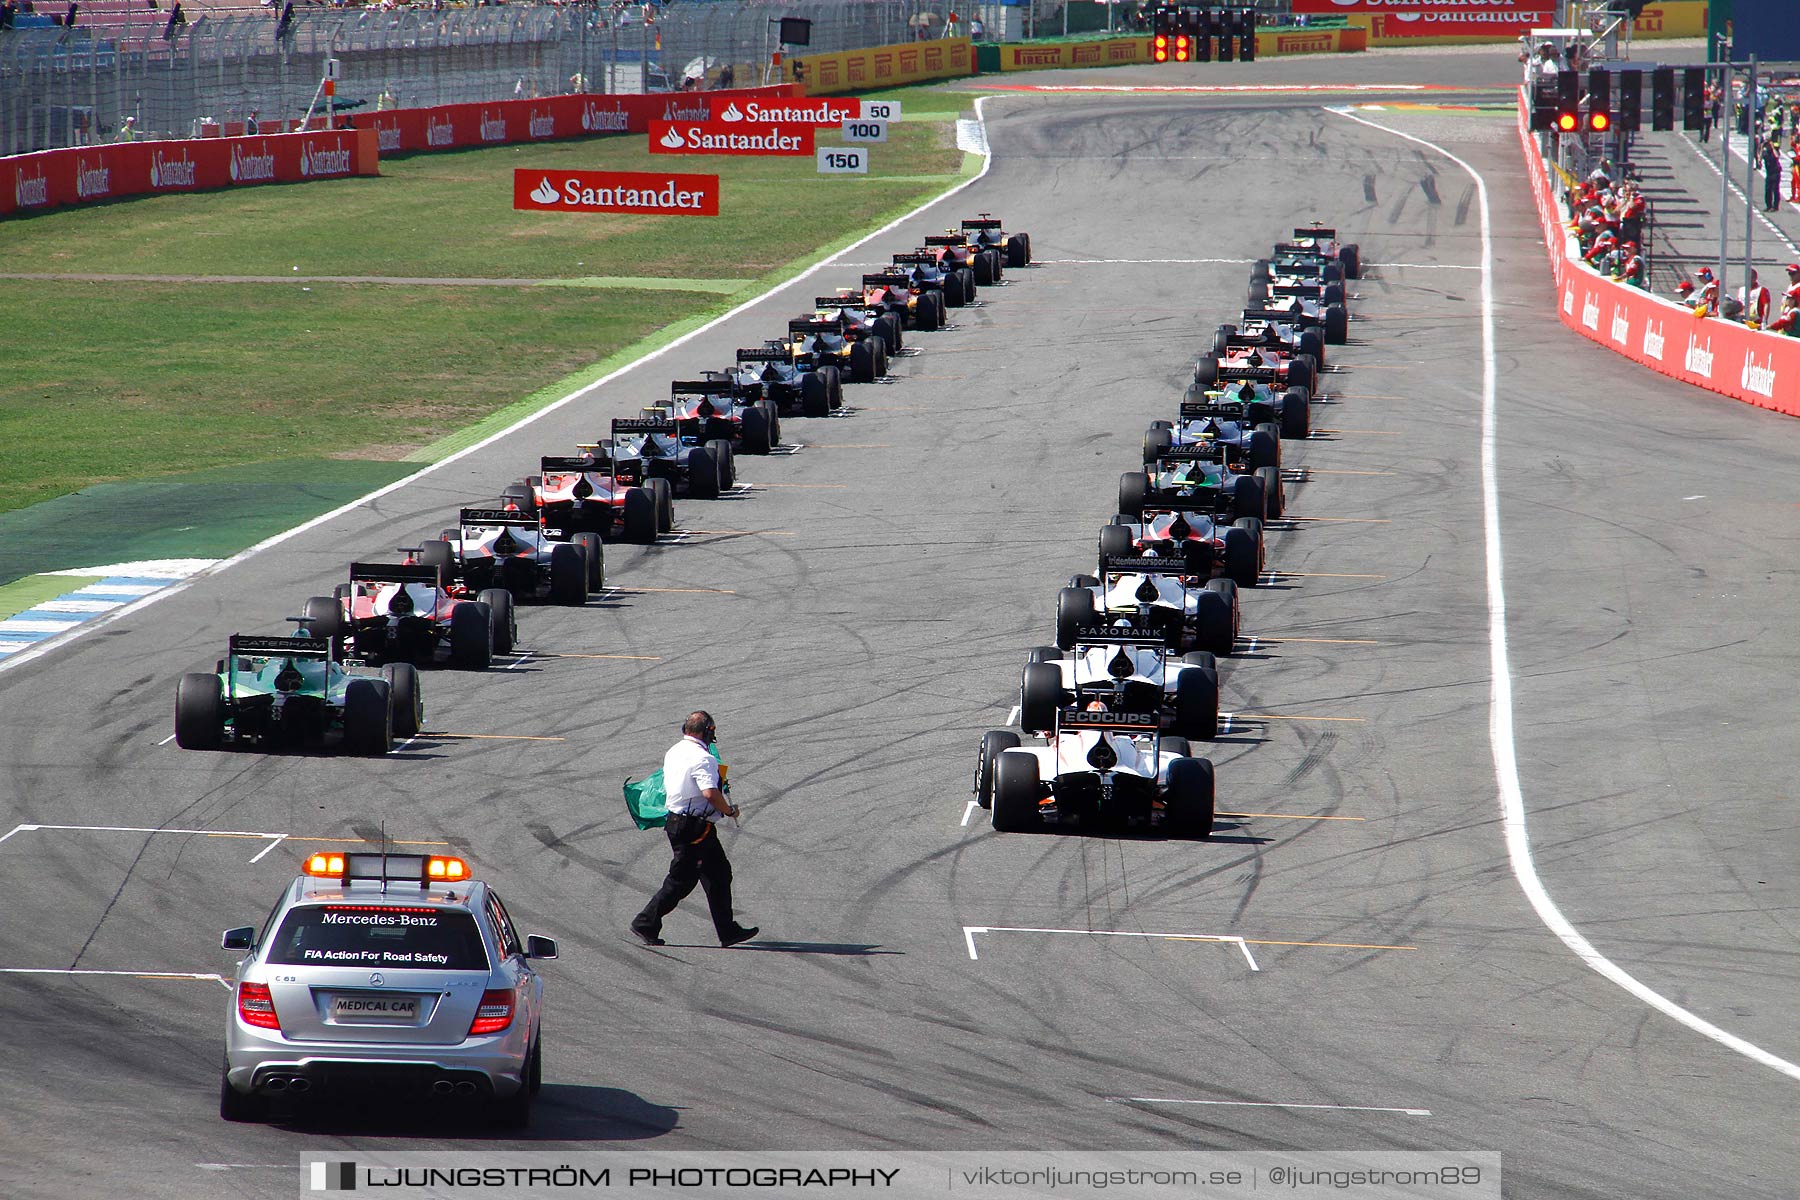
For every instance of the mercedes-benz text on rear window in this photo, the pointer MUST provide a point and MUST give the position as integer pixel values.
(369, 935)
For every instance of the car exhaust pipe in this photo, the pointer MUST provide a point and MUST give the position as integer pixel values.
(465, 1088)
(298, 1085)
(275, 1083)
(442, 1087)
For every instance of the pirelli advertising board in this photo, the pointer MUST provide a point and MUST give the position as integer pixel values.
(1427, 22)
(880, 66)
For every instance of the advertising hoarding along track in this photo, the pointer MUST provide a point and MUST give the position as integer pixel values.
(654, 192)
(718, 137)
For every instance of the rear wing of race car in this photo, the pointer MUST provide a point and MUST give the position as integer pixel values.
(701, 387)
(1316, 232)
(945, 239)
(1107, 722)
(1310, 265)
(481, 518)
(808, 325)
(856, 301)
(393, 573)
(765, 355)
(916, 258)
(282, 647)
(1112, 635)
(1146, 564)
(1212, 452)
(1232, 410)
(1295, 289)
(568, 465)
(1254, 341)
(887, 279)
(983, 223)
(663, 425)
(1177, 506)
(1229, 370)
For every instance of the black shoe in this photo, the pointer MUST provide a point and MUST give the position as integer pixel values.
(742, 933)
(648, 938)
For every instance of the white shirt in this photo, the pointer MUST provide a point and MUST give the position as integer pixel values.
(688, 769)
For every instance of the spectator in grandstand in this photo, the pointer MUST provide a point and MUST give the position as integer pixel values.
(1793, 287)
(726, 80)
(1787, 323)
(1755, 304)
(252, 123)
(1604, 244)
(1631, 267)
(1631, 212)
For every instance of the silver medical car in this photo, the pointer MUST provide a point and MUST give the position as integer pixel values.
(384, 972)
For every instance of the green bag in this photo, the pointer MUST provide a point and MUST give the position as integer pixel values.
(646, 801)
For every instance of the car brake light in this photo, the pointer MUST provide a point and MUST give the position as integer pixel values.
(494, 1014)
(256, 1007)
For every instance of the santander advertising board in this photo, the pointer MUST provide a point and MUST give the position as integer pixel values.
(653, 192)
(720, 137)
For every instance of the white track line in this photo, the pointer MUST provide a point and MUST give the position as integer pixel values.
(1410, 1112)
(969, 812)
(18, 658)
(1500, 723)
(969, 932)
(261, 854)
(190, 975)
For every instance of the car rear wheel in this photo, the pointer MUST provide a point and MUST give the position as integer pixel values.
(514, 1111)
(1040, 695)
(472, 635)
(569, 574)
(1264, 448)
(815, 396)
(834, 386)
(1134, 489)
(983, 267)
(403, 694)
(324, 617)
(1188, 798)
(1038, 654)
(1074, 609)
(927, 316)
(1247, 499)
(1016, 794)
(1197, 703)
(1241, 560)
(1296, 413)
(639, 518)
(199, 712)
(1156, 444)
(862, 362)
(368, 717)
(1018, 250)
(1259, 270)
(664, 498)
(1337, 325)
(1212, 623)
(993, 745)
(702, 474)
(892, 332)
(240, 1107)
(503, 616)
(1311, 342)
(1206, 373)
(1303, 371)
(438, 554)
(1274, 498)
(753, 432)
(1222, 339)
(727, 460)
(1351, 258)
(1116, 540)
(954, 293)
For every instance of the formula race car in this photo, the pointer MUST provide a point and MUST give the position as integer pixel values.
(791, 382)
(1213, 545)
(986, 263)
(1238, 362)
(1123, 669)
(1103, 770)
(989, 231)
(1332, 320)
(1273, 339)
(928, 268)
(716, 410)
(885, 325)
(841, 341)
(1209, 472)
(1224, 420)
(508, 548)
(918, 306)
(652, 447)
(1304, 285)
(1152, 593)
(402, 612)
(1317, 244)
(294, 691)
(578, 494)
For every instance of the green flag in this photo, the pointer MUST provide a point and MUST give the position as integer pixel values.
(646, 801)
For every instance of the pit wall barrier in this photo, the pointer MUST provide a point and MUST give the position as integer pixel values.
(881, 66)
(90, 174)
(1746, 364)
(1435, 23)
(1119, 52)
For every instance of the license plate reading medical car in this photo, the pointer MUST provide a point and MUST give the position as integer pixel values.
(374, 1008)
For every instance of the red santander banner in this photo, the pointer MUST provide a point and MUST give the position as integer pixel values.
(1440, 18)
(718, 137)
(652, 192)
(777, 110)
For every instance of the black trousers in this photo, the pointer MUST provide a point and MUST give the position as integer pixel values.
(1772, 189)
(700, 862)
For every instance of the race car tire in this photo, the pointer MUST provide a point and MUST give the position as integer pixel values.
(994, 743)
(1274, 496)
(503, 616)
(1259, 270)
(1311, 342)
(862, 362)
(472, 635)
(438, 554)
(1269, 414)
(199, 712)
(1351, 258)
(368, 717)
(1296, 413)
(568, 575)
(1201, 658)
(238, 1107)
(983, 266)
(664, 498)
(403, 693)
(1074, 609)
(753, 431)
(1332, 272)
(1157, 443)
(1212, 623)
(638, 522)
(1227, 588)
(1188, 798)
(1134, 489)
(834, 383)
(702, 474)
(1264, 450)
(324, 617)
(971, 285)
(773, 413)
(1197, 704)
(1302, 370)
(1241, 561)
(1206, 372)
(926, 314)
(1038, 654)
(814, 396)
(1337, 325)
(1334, 293)
(1247, 497)
(594, 551)
(1222, 339)
(1040, 695)
(1016, 790)
(519, 495)
(1116, 539)
(1018, 250)
(892, 331)
(1257, 295)
(727, 460)
(955, 295)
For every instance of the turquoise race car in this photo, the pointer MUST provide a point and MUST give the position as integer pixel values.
(293, 691)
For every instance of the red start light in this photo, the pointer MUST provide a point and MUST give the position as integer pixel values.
(1566, 122)
(1182, 51)
(1598, 122)
(1162, 43)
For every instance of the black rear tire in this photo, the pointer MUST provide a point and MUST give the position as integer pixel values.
(1206, 372)
(439, 554)
(1222, 339)
(1116, 540)
(472, 635)
(1212, 624)
(815, 395)
(1296, 413)
(199, 712)
(502, 616)
(1247, 499)
(1038, 654)
(1303, 371)
(1243, 564)
(1074, 609)
(1265, 450)
(1016, 794)
(1018, 250)
(892, 331)
(955, 295)
(324, 617)
(594, 551)
(1188, 798)
(1351, 258)
(1337, 325)
(663, 496)
(1156, 444)
(239, 1108)
(1259, 270)
(1040, 695)
(993, 744)
(702, 474)
(1134, 489)
(926, 314)
(1274, 498)
(983, 267)
(727, 460)
(1197, 703)
(403, 694)
(862, 362)
(1311, 342)
(754, 434)
(368, 717)
(569, 574)
(639, 518)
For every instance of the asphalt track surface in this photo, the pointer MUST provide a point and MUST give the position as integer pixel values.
(858, 617)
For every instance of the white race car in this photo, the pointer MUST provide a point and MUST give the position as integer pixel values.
(507, 548)
(1152, 593)
(1104, 770)
(1127, 670)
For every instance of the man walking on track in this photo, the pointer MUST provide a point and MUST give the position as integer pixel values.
(692, 782)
